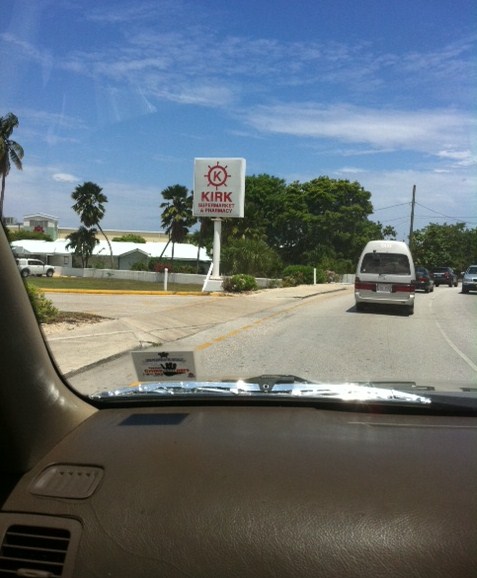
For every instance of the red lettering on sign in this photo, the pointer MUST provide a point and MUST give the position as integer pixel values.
(216, 197)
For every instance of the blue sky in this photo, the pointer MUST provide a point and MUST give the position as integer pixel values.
(127, 94)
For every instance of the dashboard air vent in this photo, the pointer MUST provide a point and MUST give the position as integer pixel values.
(27, 548)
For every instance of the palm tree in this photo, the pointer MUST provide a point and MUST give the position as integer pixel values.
(89, 206)
(83, 242)
(177, 214)
(10, 151)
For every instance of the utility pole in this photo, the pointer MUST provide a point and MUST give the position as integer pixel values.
(411, 230)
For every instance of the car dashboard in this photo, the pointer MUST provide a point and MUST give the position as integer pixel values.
(230, 490)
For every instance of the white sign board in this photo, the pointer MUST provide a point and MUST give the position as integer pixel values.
(219, 187)
(161, 365)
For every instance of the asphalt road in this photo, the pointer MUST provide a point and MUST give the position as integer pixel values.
(319, 337)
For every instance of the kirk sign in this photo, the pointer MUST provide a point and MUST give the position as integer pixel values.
(219, 187)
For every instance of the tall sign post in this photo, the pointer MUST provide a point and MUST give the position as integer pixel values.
(219, 192)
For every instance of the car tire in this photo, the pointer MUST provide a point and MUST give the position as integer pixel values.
(410, 310)
(464, 290)
(437, 284)
(25, 272)
(49, 273)
(360, 307)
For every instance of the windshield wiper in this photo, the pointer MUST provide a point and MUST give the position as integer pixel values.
(271, 385)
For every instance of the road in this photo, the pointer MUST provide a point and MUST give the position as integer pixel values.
(325, 338)
(321, 337)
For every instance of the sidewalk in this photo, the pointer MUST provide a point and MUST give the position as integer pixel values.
(139, 321)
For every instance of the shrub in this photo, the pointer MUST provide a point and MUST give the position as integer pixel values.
(139, 266)
(160, 267)
(239, 283)
(130, 238)
(251, 257)
(44, 309)
(294, 275)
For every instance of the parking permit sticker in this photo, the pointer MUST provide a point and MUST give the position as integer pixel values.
(161, 365)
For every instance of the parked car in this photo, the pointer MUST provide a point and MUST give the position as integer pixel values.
(35, 267)
(424, 279)
(469, 280)
(445, 276)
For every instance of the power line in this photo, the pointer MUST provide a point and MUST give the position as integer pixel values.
(391, 207)
(442, 214)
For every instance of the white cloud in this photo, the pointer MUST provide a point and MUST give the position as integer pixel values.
(381, 128)
(461, 158)
(65, 178)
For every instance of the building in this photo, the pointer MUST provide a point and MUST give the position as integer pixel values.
(125, 255)
(38, 222)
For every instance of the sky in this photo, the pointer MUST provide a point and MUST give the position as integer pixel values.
(126, 95)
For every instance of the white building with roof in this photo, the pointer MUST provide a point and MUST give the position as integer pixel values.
(125, 254)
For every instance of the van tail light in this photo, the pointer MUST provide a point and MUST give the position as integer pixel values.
(364, 286)
(405, 288)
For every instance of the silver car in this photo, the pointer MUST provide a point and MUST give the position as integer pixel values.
(469, 280)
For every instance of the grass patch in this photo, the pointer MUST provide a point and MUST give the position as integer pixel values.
(91, 283)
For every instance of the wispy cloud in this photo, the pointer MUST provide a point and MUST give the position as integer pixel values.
(64, 178)
(423, 131)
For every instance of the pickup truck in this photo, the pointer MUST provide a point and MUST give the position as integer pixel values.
(34, 267)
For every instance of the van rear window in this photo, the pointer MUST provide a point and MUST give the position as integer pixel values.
(386, 264)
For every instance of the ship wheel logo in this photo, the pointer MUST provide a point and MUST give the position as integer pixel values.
(217, 176)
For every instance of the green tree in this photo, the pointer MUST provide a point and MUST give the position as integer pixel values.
(10, 151)
(89, 205)
(83, 241)
(323, 222)
(443, 245)
(176, 215)
(263, 199)
(324, 218)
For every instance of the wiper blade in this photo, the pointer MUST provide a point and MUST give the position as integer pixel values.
(276, 386)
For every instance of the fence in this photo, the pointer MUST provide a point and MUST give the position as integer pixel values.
(159, 278)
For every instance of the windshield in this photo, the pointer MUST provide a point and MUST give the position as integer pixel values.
(188, 188)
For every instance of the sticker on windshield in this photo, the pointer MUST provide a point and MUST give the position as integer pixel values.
(161, 365)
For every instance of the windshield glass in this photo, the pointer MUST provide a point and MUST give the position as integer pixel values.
(188, 187)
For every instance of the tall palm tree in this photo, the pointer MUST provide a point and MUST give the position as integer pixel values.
(177, 214)
(83, 242)
(10, 151)
(89, 206)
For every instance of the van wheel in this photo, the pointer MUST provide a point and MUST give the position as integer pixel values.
(25, 272)
(49, 273)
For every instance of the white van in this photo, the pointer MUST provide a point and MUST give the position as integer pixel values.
(385, 275)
